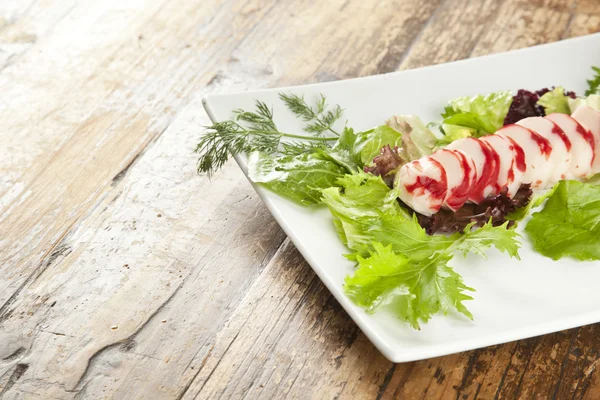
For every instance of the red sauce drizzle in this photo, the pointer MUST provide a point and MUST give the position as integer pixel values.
(588, 136)
(519, 159)
(511, 172)
(494, 182)
(436, 188)
(461, 192)
(489, 175)
(558, 131)
(542, 142)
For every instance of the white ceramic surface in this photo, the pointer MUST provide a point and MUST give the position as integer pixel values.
(513, 299)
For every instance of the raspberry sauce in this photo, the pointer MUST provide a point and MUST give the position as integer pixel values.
(461, 192)
(436, 188)
(558, 131)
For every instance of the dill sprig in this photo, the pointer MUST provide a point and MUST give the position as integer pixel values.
(320, 118)
(251, 131)
(261, 120)
(594, 83)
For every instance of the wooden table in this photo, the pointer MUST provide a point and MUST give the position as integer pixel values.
(123, 274)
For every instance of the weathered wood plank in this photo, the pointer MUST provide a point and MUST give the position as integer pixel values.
(130, 92)
(123, 294)
(453, 32)
(127, 276)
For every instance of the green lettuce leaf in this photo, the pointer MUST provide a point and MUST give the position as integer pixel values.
(299, 178)
(555, 101)
(364, 210)
(344, 152)
(359, 200)
(370, 142)
(478, 241)
(398, 263)
(569, 224)
(417, 139)
(594, 180)
(536, 201)
(478, 115)
(452, 133)
(409, 270)
(416, 291)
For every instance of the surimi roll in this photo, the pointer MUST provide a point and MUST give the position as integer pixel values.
(538, 151)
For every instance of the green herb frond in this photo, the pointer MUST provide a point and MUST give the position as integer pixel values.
(226, 137)
(320, 118)
(256, 130)
(298, 106)
(594, 83)
(262, 119)
(326, 121)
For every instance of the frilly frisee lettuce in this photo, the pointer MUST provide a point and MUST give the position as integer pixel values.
(417, 280)
(398, 263)
(569, 224)
(414, 291)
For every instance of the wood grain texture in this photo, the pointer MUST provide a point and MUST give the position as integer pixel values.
(125, 275)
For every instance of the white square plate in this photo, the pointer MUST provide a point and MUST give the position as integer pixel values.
(514, 299)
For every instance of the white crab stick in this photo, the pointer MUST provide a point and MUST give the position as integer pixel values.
(590, 120)
(423, 185)
(512, 162)
(537, 151)
(486, 162)
(582, 144)
(459, 173)
(560, 158)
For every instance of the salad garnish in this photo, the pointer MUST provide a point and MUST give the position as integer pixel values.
(474, 116)
(256, 130)
(569, 224)
(402, 261)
